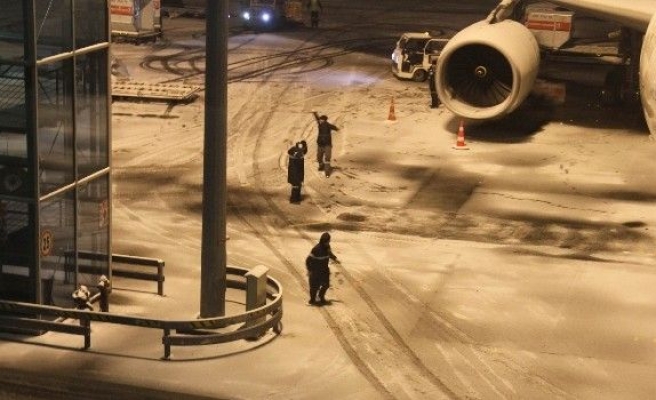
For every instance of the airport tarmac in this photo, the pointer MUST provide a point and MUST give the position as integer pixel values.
(519, 268)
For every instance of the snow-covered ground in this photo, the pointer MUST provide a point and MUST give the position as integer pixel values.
(521, 268)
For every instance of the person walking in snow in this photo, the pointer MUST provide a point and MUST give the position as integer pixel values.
(324, 142)
(296, 170)
(432, 85)
(315, 8)
(104, 288)
(318, 270)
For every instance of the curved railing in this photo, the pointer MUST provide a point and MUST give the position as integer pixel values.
(251, 324)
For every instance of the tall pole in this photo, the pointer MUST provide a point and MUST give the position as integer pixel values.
(213, 251)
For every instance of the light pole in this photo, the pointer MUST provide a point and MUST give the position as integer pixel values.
(213, 250)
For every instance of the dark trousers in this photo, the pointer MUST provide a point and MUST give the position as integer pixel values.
(319, 284)
(295, 196)
(324, 154)
(104, 300)
(432, 87)
(314, 19)
(435, 101)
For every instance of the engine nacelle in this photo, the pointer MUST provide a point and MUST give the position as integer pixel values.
(648, 76)
(487, 70)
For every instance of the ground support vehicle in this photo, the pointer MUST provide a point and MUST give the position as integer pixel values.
(414, 54)
(271, 14)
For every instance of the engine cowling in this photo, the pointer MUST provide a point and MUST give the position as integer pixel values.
(487, 70)
(648, 76)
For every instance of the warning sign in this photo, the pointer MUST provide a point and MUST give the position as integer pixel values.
(122, 11)
(551, 28)
(46, 242)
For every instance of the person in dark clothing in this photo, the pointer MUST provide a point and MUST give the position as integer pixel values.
(413, 55)
(315, 7)
(81, 298)
(104, 287)
(296, 170)
(324, 142)
(432, 86)
(318, 270)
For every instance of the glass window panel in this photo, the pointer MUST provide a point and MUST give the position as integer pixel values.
(17, 251)
(90, 23)
(14, 177)
(12, 145)
(57, 249)
(11, 30)
(91, 119)
(54, 27)
(12, 98)
(55, 125)
(93, 230)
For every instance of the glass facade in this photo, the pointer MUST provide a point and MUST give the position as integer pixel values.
(90, 25)
(91, 107)
(55, 151)
(57, 248)
(12, 30)
(53, 27)
(55, 125)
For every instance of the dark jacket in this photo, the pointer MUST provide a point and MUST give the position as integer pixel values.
(324, 138)
(432, 85)
(296, 167)
(319, 257)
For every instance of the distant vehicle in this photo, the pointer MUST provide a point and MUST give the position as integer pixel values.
(271, 14)
(414, 53)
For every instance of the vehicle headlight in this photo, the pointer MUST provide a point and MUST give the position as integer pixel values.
(266, 17)
(246, 15)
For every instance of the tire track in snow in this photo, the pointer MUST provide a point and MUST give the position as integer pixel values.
(385, 349)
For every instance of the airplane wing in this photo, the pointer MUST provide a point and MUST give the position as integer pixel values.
(634, 14)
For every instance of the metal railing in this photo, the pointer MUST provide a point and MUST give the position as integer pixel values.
(193, 332)
(125, 268)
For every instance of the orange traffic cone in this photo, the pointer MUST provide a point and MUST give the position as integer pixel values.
(391, 116)
(460, 143)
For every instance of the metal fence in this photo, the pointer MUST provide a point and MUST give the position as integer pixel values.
(192, 332)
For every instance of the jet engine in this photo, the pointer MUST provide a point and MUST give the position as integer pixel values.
(487, 69)
(647, 75)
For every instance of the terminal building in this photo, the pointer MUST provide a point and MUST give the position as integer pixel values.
(55, 120)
